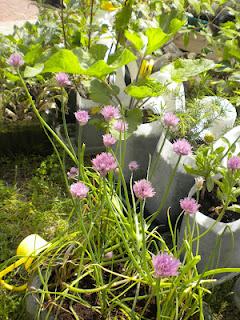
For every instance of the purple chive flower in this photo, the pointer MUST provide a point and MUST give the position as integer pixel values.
(143, 189)
(109, 255)
(72, 173)
(189, 205)
(82, 117)
(15, 60)
(108, 140)
(79, 190)
(170, 120)
(120, 126)
(182, 147)
(233, 163)
(165, 265)
(110, 112)
(104, 162)
(133, 166)
(62, 79)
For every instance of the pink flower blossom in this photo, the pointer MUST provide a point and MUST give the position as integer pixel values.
(73, 173)
(182, 147)
(133, 165)
(15, 60)
(79, 190)
(120, 126)
(108, 140)
(170, 120)
(165, 265)
(110, 112)
(104, 162)
(189, 205)
(62, 79)
(82, 117)
(234, 163)
(143, 189)
(109, 255)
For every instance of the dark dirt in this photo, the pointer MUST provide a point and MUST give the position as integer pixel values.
(211, 207)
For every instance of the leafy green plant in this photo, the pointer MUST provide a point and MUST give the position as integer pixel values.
(104, 256)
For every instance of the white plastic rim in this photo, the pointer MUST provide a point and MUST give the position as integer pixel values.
(219, 124)
(171, 101)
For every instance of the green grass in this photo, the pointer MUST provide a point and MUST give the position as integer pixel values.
(32, 200)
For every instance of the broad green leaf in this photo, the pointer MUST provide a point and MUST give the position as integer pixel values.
(134, 119)
(210, 184)
(190, 170)
(63, 61)
(145, 88)
(219, 150)
(156, 39)
(98, 51)
(135, 39)
(84, 58)
(99, 69)
(33, 54)
(232, 47)
(31, 72)
(101, 93)
(10, 76)
(121, 58)
(183, 69)
(122, 18)
(176, 25)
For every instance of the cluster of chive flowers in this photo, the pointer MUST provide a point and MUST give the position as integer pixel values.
(165, 265)
(189, 205)
(15, 60)
(110, 112)
(143, 189)
(120, 126)
(62, 79)
(104, 163)
(133, 165)
(182, 147)
(73, 173)
(108, 140)
(233, 163)
(82, 117)
(79, 190)
(170, 120)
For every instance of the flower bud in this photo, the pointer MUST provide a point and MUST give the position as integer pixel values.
(209, 137)
(146, 68)
(199, 181)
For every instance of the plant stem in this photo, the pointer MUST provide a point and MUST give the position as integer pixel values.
(158, 298)
(90, 26)
(140, 65)
(63, 26)
(142, 223)
(44, 123)
(65, 123)
(166, 192)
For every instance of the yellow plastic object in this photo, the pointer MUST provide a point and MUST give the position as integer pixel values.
(108, 6)
(29, 248)
(146, 68)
